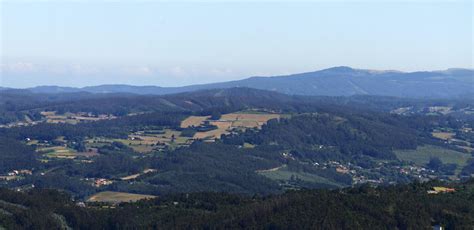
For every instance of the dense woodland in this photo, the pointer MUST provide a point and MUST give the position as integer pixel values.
(15, 154)
(401, 207)
(15, 104)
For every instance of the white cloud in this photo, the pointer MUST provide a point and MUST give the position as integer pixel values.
(178, 71)
(18, 67)
(134, 70)
(221, 71)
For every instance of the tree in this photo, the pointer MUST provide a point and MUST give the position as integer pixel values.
(435, 163)
(216, 115)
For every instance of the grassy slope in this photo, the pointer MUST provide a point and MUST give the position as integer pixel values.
(421, 156)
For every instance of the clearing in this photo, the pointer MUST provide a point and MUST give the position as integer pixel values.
(73, 118)
(117, 197)
(443, 135)
(421, 156)
(146, 141)
(228, 122)
(194, 121)
(58, 152)
(282, 174)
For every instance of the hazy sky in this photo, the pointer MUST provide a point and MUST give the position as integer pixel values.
(79, 43)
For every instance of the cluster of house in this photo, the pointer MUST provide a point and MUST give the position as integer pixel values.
(364, 180)
(350, 169)
(98, 182)
(340, 167)
(19, 124)
(418, 172)
(15, 173)
(20, 172)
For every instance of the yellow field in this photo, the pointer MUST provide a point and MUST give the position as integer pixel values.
(443, 135)
(230, 121)
(194, 121)
(146, 142)
(135, 176)
(247, 119)
(48, 113)
(65, 152)
(131, 177)
(117, 197)
(58, 152)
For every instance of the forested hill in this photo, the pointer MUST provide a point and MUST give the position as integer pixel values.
(15, 104)
(394, 207)
(337, 81)
(238, 140)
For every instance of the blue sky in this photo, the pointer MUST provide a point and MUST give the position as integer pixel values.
(80, 43)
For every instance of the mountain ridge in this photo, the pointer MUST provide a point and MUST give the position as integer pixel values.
(335, 81)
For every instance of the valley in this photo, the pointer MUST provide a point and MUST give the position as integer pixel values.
(235, 140)
(110, 152)
(236, 115)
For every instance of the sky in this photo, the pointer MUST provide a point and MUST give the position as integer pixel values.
(173, 43)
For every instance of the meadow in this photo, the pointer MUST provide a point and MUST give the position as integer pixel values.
(117, 197)
(228, 122)
(422, 155)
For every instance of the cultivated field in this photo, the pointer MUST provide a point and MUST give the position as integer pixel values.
(194, 121)
(230, 121)
(65, 152)
(144, 143)
(443, 135)
(117, 197)
(150, 140)
(282, 174)
(135, 176)
(72, 118)
(58, 152)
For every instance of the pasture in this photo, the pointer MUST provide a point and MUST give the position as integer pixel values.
(282, 175)
(58, 152)
(135, 176)
(117, 197)
(231, 121)
(194, 121)
(143, 142)
(65, 152)
(443, 135)
(421, 156)
(72, 118)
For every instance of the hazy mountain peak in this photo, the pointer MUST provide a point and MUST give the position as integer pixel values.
(339, 69)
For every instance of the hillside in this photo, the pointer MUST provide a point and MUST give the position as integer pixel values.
(397, 207)
(237, 140)
(337, 81)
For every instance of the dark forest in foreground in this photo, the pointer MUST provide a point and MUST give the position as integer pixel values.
(395, 207)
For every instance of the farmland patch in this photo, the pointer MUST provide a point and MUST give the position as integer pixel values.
(117, 197)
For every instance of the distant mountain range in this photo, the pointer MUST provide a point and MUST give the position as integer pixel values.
(337, 81)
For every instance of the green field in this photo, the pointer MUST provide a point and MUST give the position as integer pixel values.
(421, 156)
(283, 174)
(117, 197)
(58, 152)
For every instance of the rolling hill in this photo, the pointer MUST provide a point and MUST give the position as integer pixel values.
(337, 81)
